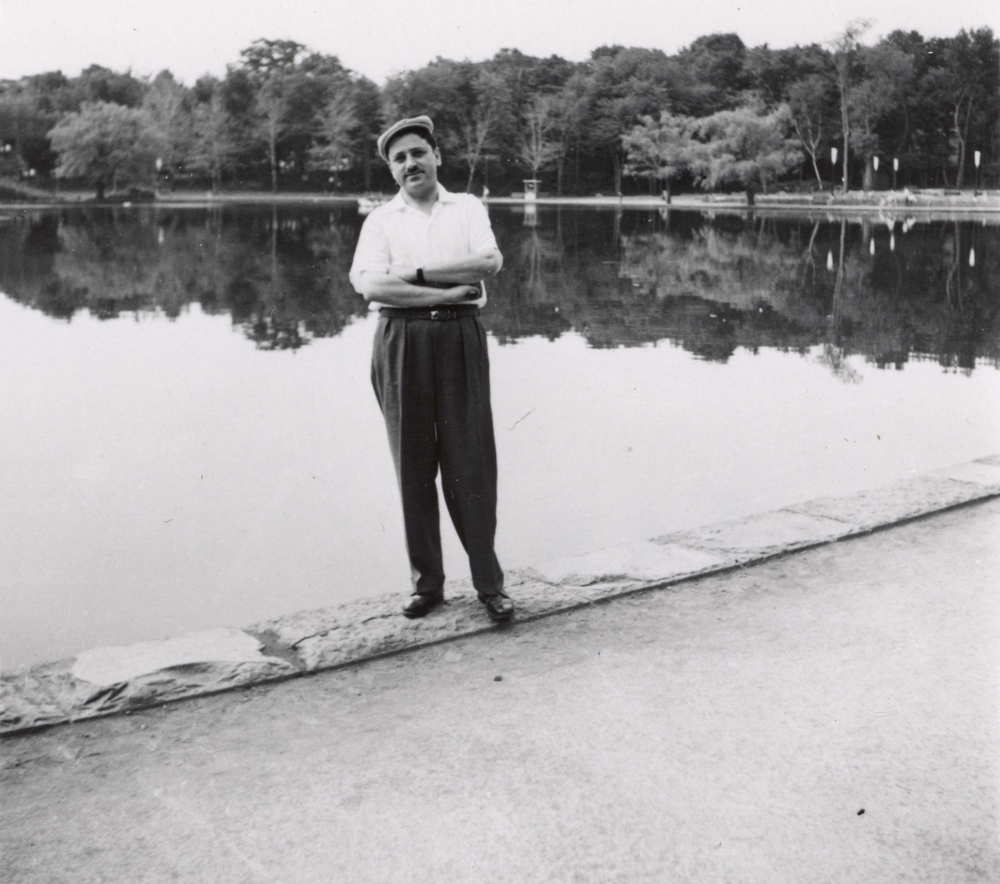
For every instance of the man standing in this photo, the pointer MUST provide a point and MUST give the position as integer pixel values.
(421, 259)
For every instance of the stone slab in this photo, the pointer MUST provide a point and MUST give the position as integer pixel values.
(385, 631)
(28, 701)
(537, 597)
(896, 502)
(757, 537)
(119, 679)
(976, 473)
(114, 665)
(366, 628)
(642, 562)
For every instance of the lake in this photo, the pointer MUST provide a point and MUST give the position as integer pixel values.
(189, 437)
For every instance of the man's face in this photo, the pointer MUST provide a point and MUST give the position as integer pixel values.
(413, 163)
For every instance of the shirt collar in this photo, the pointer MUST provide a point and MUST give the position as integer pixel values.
(398, 203)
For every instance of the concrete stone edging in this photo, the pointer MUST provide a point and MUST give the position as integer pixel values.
(108, 681)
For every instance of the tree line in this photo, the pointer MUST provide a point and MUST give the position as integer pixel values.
(905, 111)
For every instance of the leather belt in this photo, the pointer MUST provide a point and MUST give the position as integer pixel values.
(435, 314)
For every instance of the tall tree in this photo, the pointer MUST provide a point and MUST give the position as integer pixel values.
(660, 149)
(717, 64)
(106, 143)
(336, 135)
(236, 117)
(368, 109)
(482, 120)
(17, 118)
(569, 108)
(845, 50)
(271, 65)
(541, 145)
(97, 83)
(965, 82)
(886, 75)
(168, 104)
(624, 85)
(771, 73)
(811, 102)
(743, 147)
(213, 142)
(525, 78)
(29, 108)
(317, 80)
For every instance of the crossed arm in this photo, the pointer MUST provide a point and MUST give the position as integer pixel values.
(449, 283)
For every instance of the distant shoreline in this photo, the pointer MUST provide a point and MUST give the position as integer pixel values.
(987, 201)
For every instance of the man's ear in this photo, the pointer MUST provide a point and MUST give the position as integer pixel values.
(437, 156)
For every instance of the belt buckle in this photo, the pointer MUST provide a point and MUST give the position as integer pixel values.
(435, 314)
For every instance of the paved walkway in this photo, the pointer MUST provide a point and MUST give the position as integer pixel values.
(727, 729)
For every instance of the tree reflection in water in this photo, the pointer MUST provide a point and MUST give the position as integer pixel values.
(281, 276)
(892, 290)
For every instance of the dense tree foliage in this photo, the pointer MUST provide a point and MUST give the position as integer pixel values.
(625, 120)
(744, 148)
(659, 150)
(106, 144)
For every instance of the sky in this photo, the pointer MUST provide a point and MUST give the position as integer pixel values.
(379, 38)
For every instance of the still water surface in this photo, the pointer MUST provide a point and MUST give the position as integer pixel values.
(189, 438)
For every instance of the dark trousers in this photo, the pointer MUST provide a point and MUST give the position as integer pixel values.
(432, 381)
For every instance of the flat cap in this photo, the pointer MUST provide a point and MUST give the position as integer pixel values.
(421, 122)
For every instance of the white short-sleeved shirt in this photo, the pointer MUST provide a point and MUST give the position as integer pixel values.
(398, 233)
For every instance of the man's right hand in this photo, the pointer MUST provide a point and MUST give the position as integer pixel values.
(459, 293)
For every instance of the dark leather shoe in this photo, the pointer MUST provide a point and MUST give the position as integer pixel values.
(500, 607)
(418, 605)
